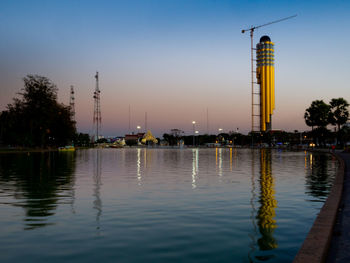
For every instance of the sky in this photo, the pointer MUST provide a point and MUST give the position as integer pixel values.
(175, 59)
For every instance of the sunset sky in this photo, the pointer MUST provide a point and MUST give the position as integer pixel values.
(175, 58)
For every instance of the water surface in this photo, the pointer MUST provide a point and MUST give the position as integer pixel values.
(160, 205)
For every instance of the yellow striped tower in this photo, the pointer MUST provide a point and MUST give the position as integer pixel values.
(265, 74)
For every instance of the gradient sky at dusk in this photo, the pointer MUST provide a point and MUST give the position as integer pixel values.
(174, 59)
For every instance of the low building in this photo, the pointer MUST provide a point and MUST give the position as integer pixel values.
(133, 139)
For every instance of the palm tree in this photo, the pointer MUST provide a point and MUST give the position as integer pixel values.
(317, 114)
(339, 113)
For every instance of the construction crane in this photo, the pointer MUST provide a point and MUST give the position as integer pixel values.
(252, 66)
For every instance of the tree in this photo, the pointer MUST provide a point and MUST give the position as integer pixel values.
(171, 139)
(339, 113)
(37, 119)
(81, 139)
(317, 114)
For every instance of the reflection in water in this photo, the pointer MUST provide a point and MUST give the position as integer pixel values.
(97, 204)
(220, 161)
(159, 219)
(266, 212)
(253, 211)
(263, 220)
(311, 159)
(40, 182)
(194, 167)
(318, 179)
(235, 157)
(138, 165)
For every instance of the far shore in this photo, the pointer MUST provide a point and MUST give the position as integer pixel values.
(42, 150)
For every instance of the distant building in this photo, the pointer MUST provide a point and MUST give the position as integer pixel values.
(148, 138)
(134, 137)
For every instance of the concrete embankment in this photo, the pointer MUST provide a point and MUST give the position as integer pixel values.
(322, 243)
(340, 244)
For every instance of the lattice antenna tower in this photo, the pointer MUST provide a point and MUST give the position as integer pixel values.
(97, 110)
(72, 103)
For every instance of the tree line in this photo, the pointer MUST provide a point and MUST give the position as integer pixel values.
(320, 114)
(37, 119)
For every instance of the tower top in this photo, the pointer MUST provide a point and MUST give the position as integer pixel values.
(265, 39)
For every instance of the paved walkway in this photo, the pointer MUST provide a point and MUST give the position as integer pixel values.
(340, 244)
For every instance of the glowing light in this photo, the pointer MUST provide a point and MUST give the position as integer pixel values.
(138, 166)
(220, 162)
(194, 167)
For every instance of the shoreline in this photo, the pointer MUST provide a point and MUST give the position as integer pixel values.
(37, 150)
(316, 245)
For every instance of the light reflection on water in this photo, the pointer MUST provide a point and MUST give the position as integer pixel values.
(160, 205)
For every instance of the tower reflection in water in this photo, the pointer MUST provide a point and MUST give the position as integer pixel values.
(268, 203)
(97, 204)
(264, 221)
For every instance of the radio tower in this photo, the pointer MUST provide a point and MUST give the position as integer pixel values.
(71, 103)
(97, 110)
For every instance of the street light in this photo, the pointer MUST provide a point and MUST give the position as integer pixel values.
(193, 122)
(196, 132)
(138, 131)
(220, 131)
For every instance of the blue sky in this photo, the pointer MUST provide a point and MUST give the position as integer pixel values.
(175, 59)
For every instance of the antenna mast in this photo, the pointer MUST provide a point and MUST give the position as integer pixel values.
(129, 119)
(97, 110)
(207, 121)
(256, 93)
(72, 104)
(146, 122)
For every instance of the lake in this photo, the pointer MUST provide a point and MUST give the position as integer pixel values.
(160, 205)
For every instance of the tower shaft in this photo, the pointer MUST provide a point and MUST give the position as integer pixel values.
(265, 75)
(72, 103)
(97, 110)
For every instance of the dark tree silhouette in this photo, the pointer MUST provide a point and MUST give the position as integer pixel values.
(317, 114)
(37, 119)
(339, 113)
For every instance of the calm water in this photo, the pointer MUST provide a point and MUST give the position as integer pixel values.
(160, 205)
